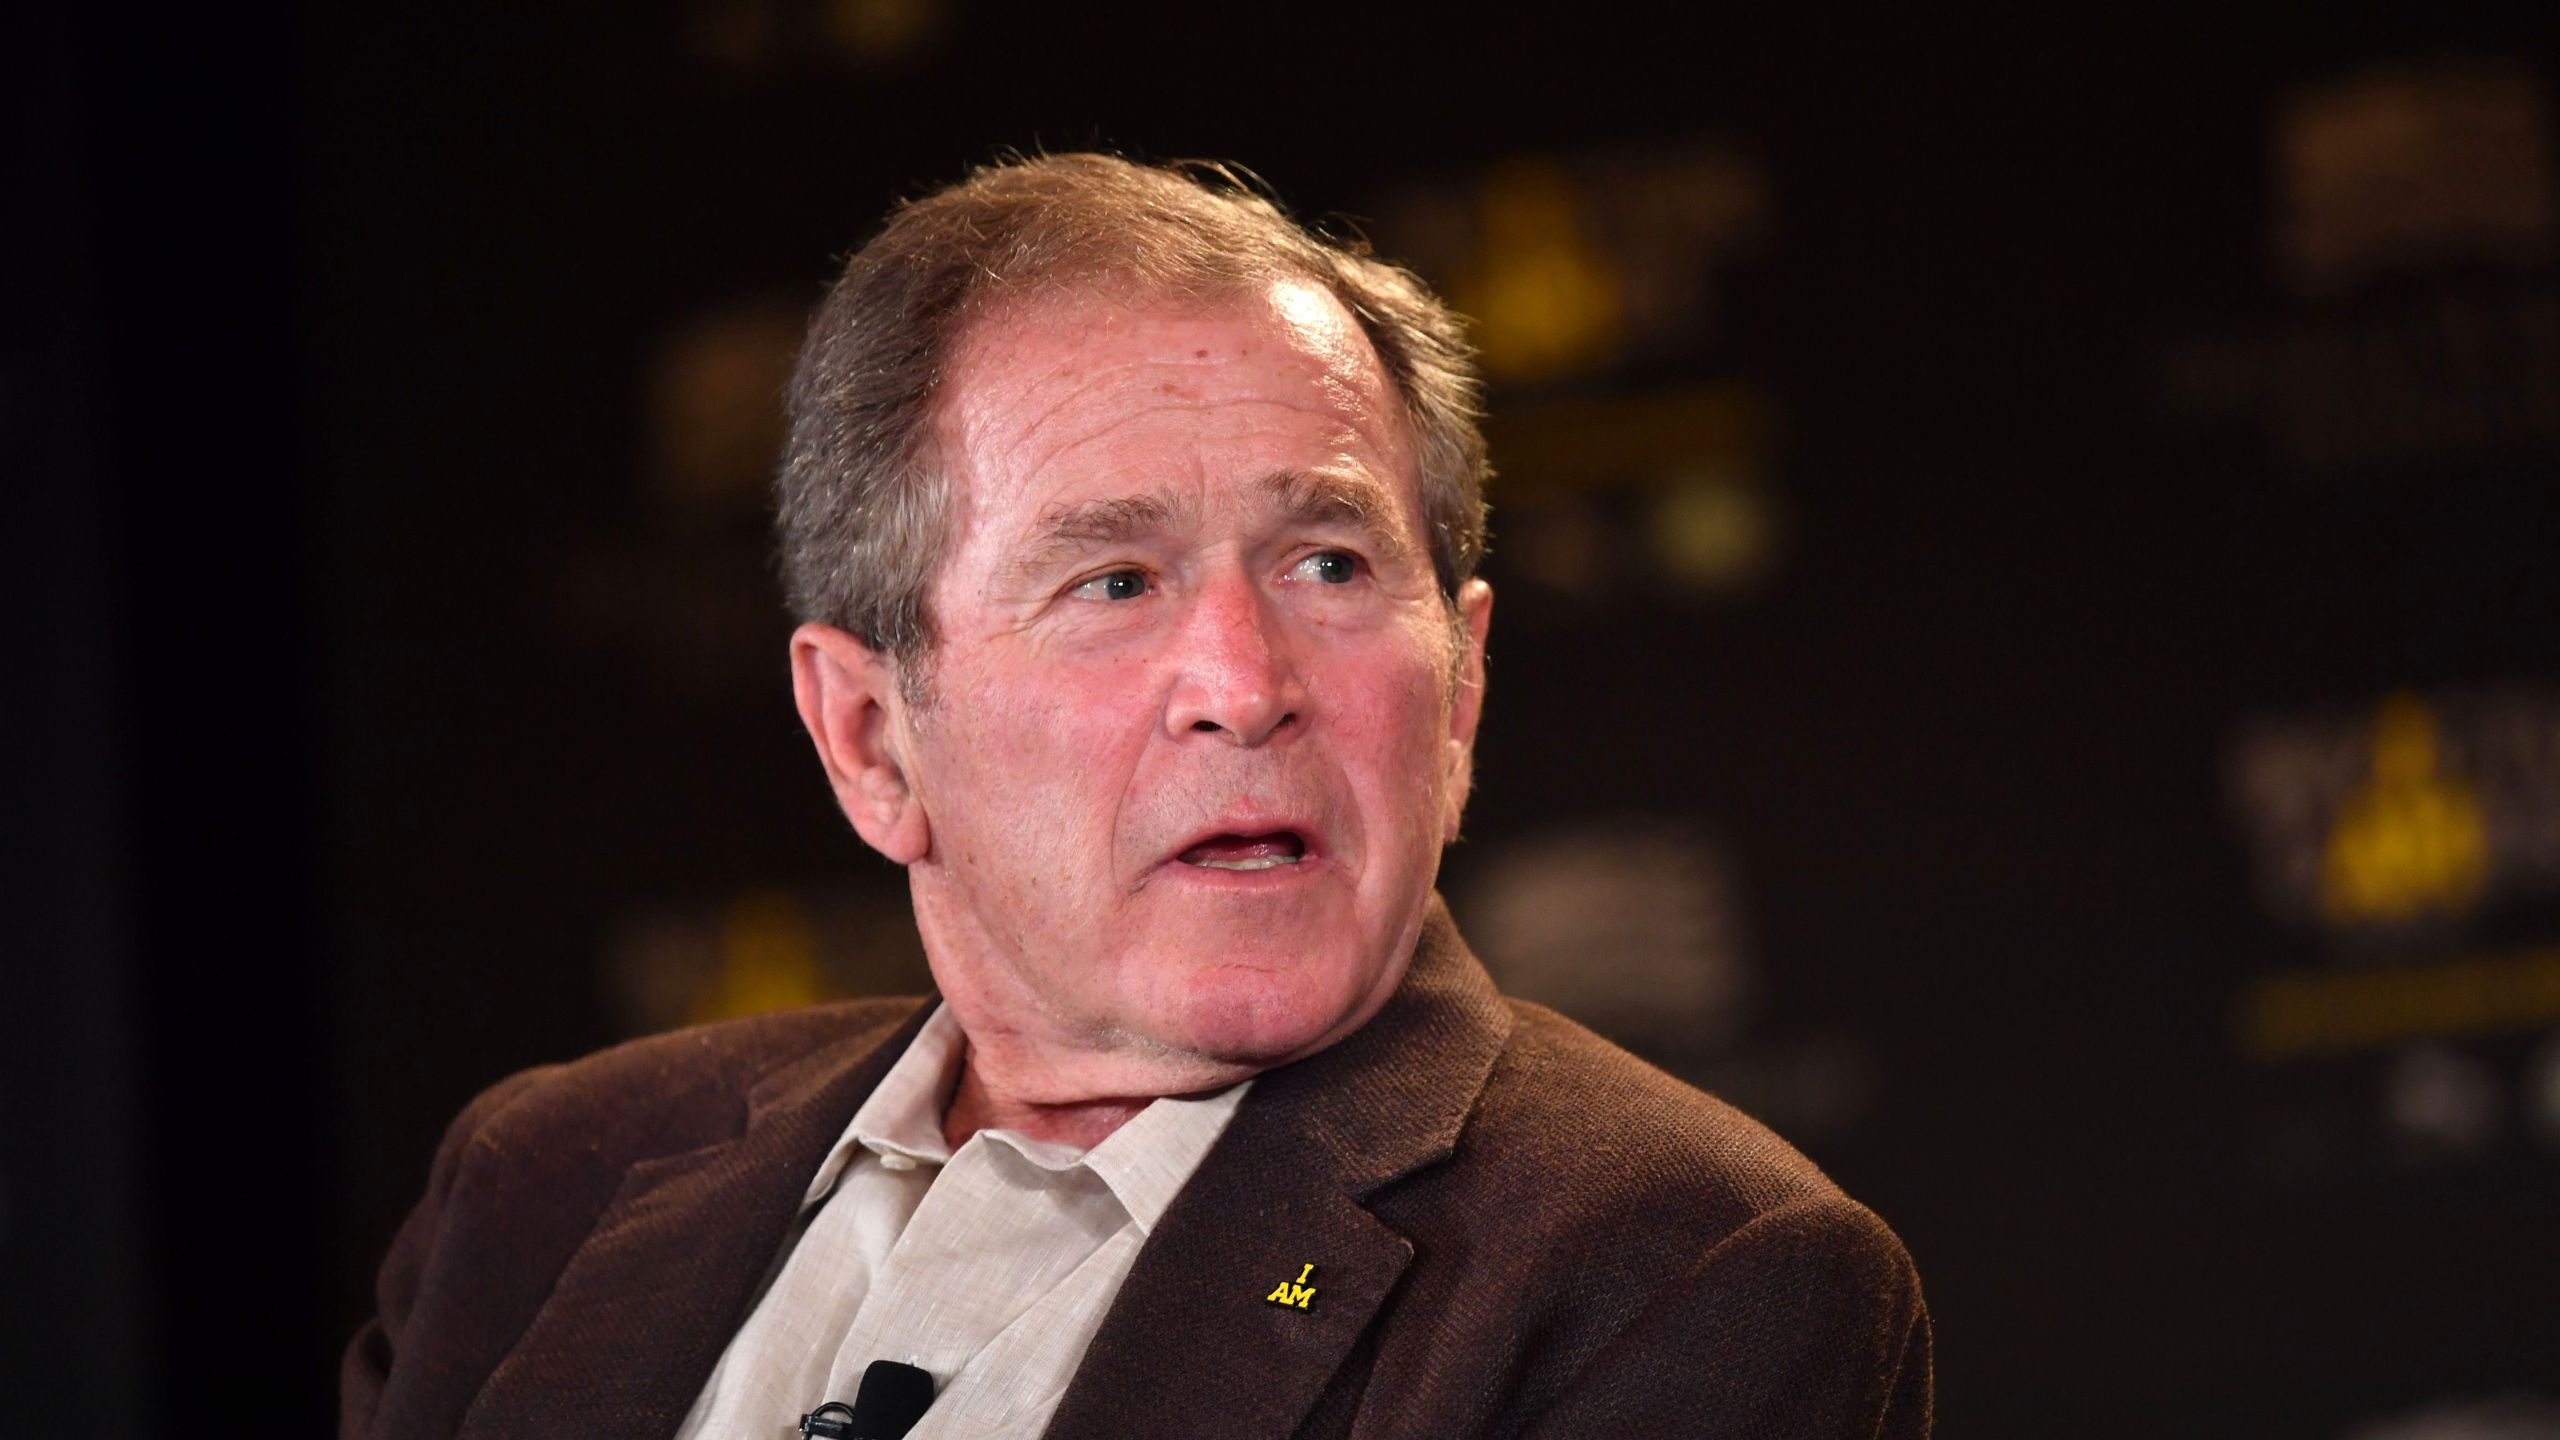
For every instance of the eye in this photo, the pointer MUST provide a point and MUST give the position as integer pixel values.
(1118, 585)
(1331, 567)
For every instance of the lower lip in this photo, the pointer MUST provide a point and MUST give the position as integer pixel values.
(1270, 877)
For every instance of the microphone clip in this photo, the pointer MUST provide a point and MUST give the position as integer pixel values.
(817, 1422)
(894, 1396)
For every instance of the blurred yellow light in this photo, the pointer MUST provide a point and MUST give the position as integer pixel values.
(2412, 840)
(1546, 302)
(768, 960)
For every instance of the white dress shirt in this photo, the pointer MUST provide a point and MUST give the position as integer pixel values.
(990, 1268)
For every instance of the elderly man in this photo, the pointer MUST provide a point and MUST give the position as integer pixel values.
(1135, 532)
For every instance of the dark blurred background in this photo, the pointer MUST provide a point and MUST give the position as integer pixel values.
(2027, 651)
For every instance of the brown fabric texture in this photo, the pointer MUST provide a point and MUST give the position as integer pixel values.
(1516, 1229)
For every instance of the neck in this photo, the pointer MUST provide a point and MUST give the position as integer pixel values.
(1043, 1080)
(976, 1105)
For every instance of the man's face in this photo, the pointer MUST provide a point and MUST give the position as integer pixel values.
(1193, 745)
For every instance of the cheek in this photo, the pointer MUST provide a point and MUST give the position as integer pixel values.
(1037, 772)
(1393, 721)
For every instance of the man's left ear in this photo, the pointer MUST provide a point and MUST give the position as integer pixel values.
(1475, 612)
(849, 700)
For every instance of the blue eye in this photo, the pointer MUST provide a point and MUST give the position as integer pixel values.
(1332, 567)
(1118, 585)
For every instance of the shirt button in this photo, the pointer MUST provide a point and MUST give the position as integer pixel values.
(895, 1161)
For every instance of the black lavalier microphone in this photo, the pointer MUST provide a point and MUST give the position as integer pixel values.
(892, 1399)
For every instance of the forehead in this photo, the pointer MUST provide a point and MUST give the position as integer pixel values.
(1093, 378)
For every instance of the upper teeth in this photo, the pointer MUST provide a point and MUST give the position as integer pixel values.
(1258, 862)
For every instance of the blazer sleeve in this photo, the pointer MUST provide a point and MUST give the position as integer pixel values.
(1805, 1324)
(366, 1368)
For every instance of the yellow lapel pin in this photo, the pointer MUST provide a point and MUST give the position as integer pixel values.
(1294, 1293)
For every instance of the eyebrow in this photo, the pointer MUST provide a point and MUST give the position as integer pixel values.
(1360, 503)
(1079, 524)
(1071, 528)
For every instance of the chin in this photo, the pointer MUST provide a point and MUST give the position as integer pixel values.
(1247, 1013)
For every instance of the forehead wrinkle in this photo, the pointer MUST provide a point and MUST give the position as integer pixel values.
(991, 345)
(1019, 450)
(1004, 437)
(1049, 458)
(1339, 362)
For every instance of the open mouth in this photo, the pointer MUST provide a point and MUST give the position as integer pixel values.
(1265, 851)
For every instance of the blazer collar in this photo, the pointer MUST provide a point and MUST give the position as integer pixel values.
(1283, 1190)
(1393, 1095)
(630, 1333)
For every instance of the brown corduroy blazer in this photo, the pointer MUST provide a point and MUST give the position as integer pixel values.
(1516, 1229)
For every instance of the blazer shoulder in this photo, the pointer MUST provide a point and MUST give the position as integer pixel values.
(642, 1095)
(1609, 1244)
(1568, 1104)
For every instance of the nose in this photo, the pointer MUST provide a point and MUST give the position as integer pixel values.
(1235, 676)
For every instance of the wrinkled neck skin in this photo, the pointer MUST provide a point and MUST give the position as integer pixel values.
(1046, 1077)
(1082, 1125)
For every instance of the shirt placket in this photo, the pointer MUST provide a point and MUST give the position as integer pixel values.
(993, 1236)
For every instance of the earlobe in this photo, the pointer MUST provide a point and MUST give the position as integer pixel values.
(846, 693)
(1466, 708)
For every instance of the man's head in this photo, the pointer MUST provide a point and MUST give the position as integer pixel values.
(1176, 507)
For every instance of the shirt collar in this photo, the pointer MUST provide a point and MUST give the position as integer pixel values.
(903, 1115)
(1145, 1161)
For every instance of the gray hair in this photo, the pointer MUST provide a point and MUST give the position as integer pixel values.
(863, 500)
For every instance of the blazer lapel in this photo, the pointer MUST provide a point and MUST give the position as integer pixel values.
(647, 1304)
(1195, 1344)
